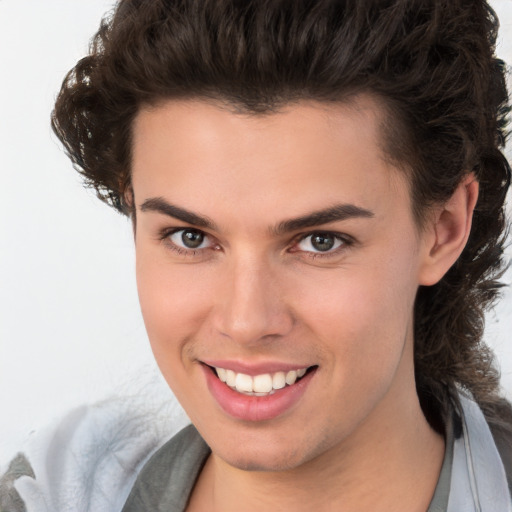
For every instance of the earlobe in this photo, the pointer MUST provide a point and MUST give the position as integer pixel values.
(449, 231)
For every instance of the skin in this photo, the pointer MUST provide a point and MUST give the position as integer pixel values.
(356, 439)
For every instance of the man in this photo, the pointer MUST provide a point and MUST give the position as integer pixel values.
(316, 190)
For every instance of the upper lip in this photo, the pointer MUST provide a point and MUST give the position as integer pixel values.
(254, 368)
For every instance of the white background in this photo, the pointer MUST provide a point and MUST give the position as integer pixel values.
(70, 327)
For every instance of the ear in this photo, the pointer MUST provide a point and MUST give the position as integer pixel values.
(447, 232)
(129, 199)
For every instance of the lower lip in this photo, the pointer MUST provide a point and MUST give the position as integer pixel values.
(255, 408)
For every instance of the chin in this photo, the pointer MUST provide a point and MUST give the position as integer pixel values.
(261, 462)
(266, 455)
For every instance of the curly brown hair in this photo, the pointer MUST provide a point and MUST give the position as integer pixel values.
(431, 63)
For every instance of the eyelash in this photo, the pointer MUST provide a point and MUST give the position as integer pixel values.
(345, 243)
(345, 240)
(165, 236)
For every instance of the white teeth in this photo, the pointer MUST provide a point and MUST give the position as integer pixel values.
(262, 383)
(259, 385)
(221, 374)
(230, 378)
(291, 377)
(243, 383)
(279, 380)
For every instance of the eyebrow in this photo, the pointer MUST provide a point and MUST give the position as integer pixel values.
(160, 205)
(334, 213)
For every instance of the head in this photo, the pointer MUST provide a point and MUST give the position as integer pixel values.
(424, 75)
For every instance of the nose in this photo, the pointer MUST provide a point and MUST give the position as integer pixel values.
(251, 307)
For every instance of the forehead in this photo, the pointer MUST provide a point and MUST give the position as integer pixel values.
(306, 155)
(208, 121)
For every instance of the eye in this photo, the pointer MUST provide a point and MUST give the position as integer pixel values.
(320, 242)
(190, 239)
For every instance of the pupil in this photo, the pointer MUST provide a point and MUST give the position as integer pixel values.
(192, 239)
(322, 242)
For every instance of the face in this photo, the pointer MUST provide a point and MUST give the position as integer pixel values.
(277, 265)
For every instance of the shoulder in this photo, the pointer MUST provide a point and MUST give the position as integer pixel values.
(479, 473)
(503, 440)
(501, 429)
(89, 460)
(167, 479)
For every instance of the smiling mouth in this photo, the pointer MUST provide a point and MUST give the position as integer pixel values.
(265, 384)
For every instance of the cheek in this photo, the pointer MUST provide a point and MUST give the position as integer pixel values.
(362, 316)
(173, 305)
(172, 302)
